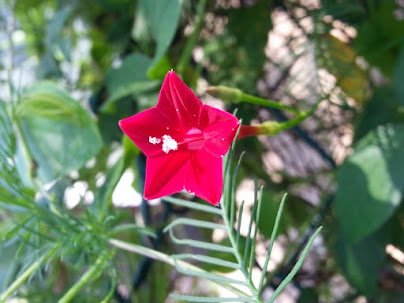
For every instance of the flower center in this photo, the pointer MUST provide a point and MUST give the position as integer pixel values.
(193, 139)
(154, 140)
(169, 144)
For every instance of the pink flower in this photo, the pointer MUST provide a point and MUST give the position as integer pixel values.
(184, 142)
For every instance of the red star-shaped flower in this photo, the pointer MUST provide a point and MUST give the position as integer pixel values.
(184, 142)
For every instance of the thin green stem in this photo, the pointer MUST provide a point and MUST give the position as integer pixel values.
(247, 245)
(257, 219)
(228, 219)
(233, 190)
(26, 274)
(239, 258)
(269, 103)
(272, 241)
(144, 251)
(112, 290)
(187, 53)
(290, 251)
(159, 256)
(240, 217)
(293, 122)
(194, 222)
(207, 259)
(192, 205)
(295, 268)
(302, 116)
(93, 273)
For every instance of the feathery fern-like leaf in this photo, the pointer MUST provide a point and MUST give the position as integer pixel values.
(244, 255)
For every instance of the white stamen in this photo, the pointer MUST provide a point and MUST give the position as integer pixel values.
(169, 144)
(154, 140)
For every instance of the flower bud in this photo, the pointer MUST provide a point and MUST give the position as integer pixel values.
(269, 128)
(225, 93)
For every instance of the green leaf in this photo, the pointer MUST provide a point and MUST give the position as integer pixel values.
(382, 108)
(60, 133)
(129, 78)
(47, 105)
(338, 58)
(370, 182)
(57, 44)
(361, 262)
(162, 18)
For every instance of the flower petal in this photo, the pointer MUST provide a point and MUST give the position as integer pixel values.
(149, 123)
(205, 176)
(166, 174)
(178, 103)
(219, 129)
